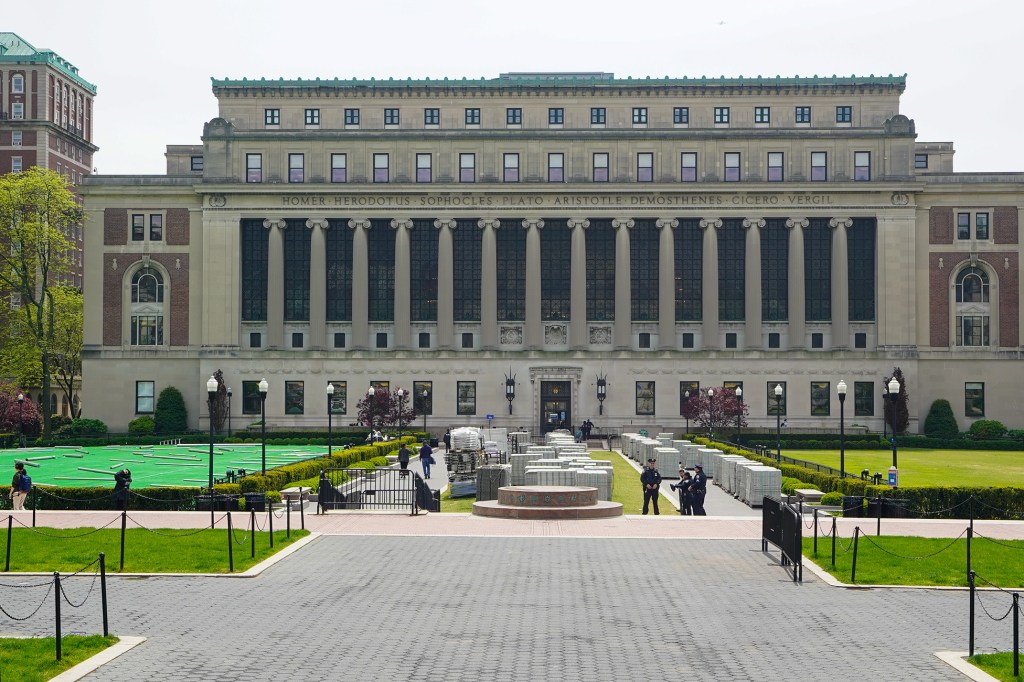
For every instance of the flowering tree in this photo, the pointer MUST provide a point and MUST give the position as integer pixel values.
(10, 411)
(386, 409)
(717, 411)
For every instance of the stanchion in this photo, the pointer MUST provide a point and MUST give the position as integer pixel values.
(7, 563)
(853, 570)
(970, 630)
(56, 605)
(124, 524)
(970, 534)
(103, 591)
(288, 518)
(970, 510)
(270, 523)
(1016, 634)
(878, 516)
(302, 510)
(35, 503)
(815, 532)
(252, 532)
(231, 548)
(833, 542)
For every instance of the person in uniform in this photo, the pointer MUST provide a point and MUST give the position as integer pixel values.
(685, 494)
(650, 479)
(699, 488)
(447, 440)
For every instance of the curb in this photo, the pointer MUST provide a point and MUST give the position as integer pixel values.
(958, 660)
(89, 665)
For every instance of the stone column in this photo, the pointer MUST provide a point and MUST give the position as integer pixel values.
(534, 336)
(360, 280)
(318, 283)
(403, 306)
(667, 284)
(489, 284)
(752, 291)
(578, 337)
(622, 332)
(445, 275)
(797, 297)
(275, 282)
(709, 284)
(840, 284)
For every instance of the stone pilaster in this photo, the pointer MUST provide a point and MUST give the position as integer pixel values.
(534, 336)
(360, 281)
(445, 270)
(667, 283)
(318, 283)
(752, 276)
(403, 294)
(709, 283)
(840, 284)
(797, 297)
(489, 283)
(275, 282)
(578, 339)
(623, 329)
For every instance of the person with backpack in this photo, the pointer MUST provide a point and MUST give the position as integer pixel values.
(20, 485)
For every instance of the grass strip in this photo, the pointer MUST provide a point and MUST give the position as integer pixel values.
(999, 666)
(34, 660)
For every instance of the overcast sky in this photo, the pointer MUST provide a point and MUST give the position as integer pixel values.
(152, 61)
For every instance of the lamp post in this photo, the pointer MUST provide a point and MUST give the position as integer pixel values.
(686, 410)
(401, 409)
(21, 422)
(894, 392)
(510, 388)
(711, 425)
(778, 422)
(602, 393)
(211, 397)
(229, 410)
(739, 412)
(423, 407)
(264, 387)
(369, 400)
(841, 390)
(330, 409)
(885, 394)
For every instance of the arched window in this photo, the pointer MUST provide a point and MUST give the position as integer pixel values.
(147, 308)
(972, 286)
(147, 287)
(973, 310)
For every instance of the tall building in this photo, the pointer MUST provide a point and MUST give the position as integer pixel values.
(506, 246)
(45, 119)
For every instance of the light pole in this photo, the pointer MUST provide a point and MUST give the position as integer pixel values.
(21, 422)
(778, 422)
(264, 387)
(423, 407)
(602, 393)
(211, 397)
(885, 394)
(711, 424)
(229, 410)
(686, 410)
(841, 389)
(330, 409)
(894, 392)
(401, 408)
(739, 412)
(369, 396)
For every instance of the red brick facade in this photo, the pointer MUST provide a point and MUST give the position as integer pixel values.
(1004, 263)
(177, 226)
(175, 318)
(115, 226)
(112, 297)
(938, 294)
(940, 225)
(1004, 225)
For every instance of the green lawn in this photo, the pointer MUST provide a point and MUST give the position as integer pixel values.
(999, 666)
(160, 551)
(922, 468)
(34, 660)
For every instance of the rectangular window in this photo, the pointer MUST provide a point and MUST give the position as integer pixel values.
(197, 163)
(687, 391)
(803, 114)
(351, 117)
(465, 393)
(639, 115)
(424, 340)
(296, 167)
(844, 114)
(296, 339)
(732, 166)
(144, 394)
(391, 117)
(510, 167)
(645, 397)
(721, 115)
(312, 117)
(337, 402)
(18, 84)
(467, 167)
(16, 164)
(972, 330)
(147, 330)
(688, 339)
(681, 115)
(821, 400)
(255, 339)
(339, 339)
(431, 117)
(251, 402)
(819, 162)
(423, 397)
(601, 167)
(467, 340)
(763, 115)
(382, 340)
(920, 161)
(156, 227)
(863, 399)
(688, 167)
(974, 399)
(138, 227)
(339, 167)
(254, 168)
(556, 116)
(598, 116)
(644, 340)
(423, 167)
(774, 339)
(17, 111)
(472, 117)
(294, 397)
(514, 116)
(817, 340)
(16, 139)
(981, 225)
(730, 339)
(963, 225)
(776, 404)
(860, 340)
(556, 167)
(645, 167)
(862, 165)
(775, 170)
(381, 168)
(272, 117)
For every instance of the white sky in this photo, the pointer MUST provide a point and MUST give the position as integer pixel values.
(152, 61)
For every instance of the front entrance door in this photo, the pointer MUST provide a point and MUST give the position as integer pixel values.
(555, 406)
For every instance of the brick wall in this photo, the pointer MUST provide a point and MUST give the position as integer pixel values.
(1005, 264)
(940, 225)
(938, 295)
(176, 319)
(112, 298)
(1004, 225)
(115, 226)
(177, 226)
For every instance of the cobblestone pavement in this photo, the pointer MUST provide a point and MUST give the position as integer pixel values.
(471, 608)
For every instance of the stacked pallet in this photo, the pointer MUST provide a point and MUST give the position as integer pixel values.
(489, 478)
(595, 478)
(518, 464)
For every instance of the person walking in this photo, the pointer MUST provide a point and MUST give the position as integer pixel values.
(19, 487)
(426, 458)
(699, 488)
(404, 455)
(685, 494)
(447, 440)
(650, 479)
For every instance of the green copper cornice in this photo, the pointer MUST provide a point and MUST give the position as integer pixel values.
(16, 50)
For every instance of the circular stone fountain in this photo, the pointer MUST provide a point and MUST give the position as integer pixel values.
(547, 502)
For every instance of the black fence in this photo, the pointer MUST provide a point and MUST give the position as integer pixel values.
(373, 489)
(781, 526)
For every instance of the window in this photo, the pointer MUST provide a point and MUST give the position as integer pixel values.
(272, 117)
(138, 227)
(974, 399)
(762, 115)
(556, 116)
(431, 117)
(423, 252)
(467, 167)
(16, 164)
(381, 168)
(821, 400)
(639, 115)
(18, 84)
(255, 246)
(339, 339)
(351, 117)
(423, 167)
(296, 167)
(144, 392)
(863, 399)
(963, 225)
(860, 340)
(255, 339)
(337, 403)
(844, 115)
(601, 167)
(513, 116)
(197, 163)
(774, 340)
(465, 398)
(556, 167)
(862, 165)
(730, 340)
(981, 225)
(819, 161)
(382, 340)
(147, 320)
(775, 170)
(777, 406)
(687, 390)
(16, 140)
(156, 227)
(644, 340)
(339, 167)
(817, 340)
(472, 117)
(312, 117)
(251, 397)
(920, 161)
(598, 116)
(687, 339)
(555, 284)
(600, 287)
(17, 111)
(296, 339)
(681, 115)
(254, 168)
(972, 330)
(147, 330)
(391, 117)
(467, 340)
(645, 167)
(294, 397)
(732, 166)
(423, 397)
(803, 114)
(510, 167)
(721, 115)
(688, 167)
(424, 340)
(467, 241)
(645, 397)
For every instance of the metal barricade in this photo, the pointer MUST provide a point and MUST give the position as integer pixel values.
(782, 526)
(368, 489)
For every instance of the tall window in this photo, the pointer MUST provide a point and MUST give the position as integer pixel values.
(555, 283)
(296, 271)
(467, 167)
(963, 226)
(601, 270)
(556, 116)
(732, 259)
(821, 399)
(467, 241)
(818, 271)
(147, 309)
(513, 116)
(145, 392)
(732, 166)
(775, 169)
(639, 116)
(254, 168)
(972, 286)
(423, 271)
(777, 406)
(863, 399)
(762, 115)
(138, 227)
(974, 399)
(688, 167)
(721, 115)
(296, 167)
(645, 167)
(423, 167)
(511, 244)
(254, 270)
(689, 263)
(598, 116)
(272, 117)
(972, 330)
(312, 117)
(339, 271)
(601, 167)
(775, 271)
(972, 299)
(643, 261)
(819, 166)
(339, 167)
(431, 117)
(802, 115)
(556, 167)
(18, 111)
(860, 249)
(156, 227)
(391, 117)
(351, 117)
(681, 115)
(510, 167)
(862, 165)
(380, 255)
(844, 114)
(18, 84)
(381, 168)
(472, 117)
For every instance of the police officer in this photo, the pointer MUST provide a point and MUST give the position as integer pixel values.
(685, 494)
(699, 489)
(650, 479)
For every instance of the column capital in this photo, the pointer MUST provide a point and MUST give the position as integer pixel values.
(667, 222)
(533, 222)
(705, 223)
(753, 222)
(492, 223)
(450, 223)
(275, 222)
(317, 222)
(357, 223)
(840, 222)
(578, 222)
(623, 222)
(399, 223)
(797, 222)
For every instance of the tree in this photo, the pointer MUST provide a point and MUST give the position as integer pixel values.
(386, 411)
(718, 411)
(940, 422)
(66, 344)
(170, 414)
(10, 411)
(902, 402)
(37, 212)
(402, 411)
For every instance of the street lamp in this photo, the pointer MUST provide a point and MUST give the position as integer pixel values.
(686, 410)
(510, 388)
(739, 412)
(423, 408)
(841, 389)
(211, 396)
(602, 392)
(229, 410)
(711, 425)
(330, 399)
(885, 394)
(894, 392)
(21, 423)
(401, 408)
(264, 387)
(369, 396)
(778, 422)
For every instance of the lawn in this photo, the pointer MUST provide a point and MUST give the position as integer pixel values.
(146, 551)
(34, 660)
(999, 666)
(924, 468)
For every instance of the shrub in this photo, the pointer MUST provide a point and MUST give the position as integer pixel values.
(59, 420)
(987, 429)
(143, 425)
(940, 422)
(790, 484)
(832, 499)
(171, 415)
(83, 427)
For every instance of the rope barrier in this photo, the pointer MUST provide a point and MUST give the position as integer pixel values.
(92, 586)
(65, 537)
(977, 594)
(174, 535)
(1001, 544)
(43, 491)
(925, 556)
(46, 596)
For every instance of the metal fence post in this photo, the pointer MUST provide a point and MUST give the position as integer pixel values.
(270, 523)
(878, 516)
(124, 523)
(1016, 634)
(7, 563)
(231, 548)
(970, 631)
(970, 534)
(252, 532)
(815, 532)
(103, 591)
(35, 503)
(56, 603)
(288, 519)
(302, 510)
(853, 570)
(833, 542)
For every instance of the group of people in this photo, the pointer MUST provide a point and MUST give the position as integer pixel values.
(691, 488)
(583, 431)
(426, 458)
